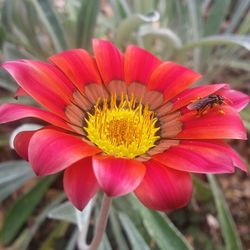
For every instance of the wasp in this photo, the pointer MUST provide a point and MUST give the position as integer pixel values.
(202, 105)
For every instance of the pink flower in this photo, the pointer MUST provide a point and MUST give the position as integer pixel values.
(121, 123)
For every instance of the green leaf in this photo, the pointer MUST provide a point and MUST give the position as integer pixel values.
(136, 240)
(143, 6)
(6, 14)
(51, 22)
(55, 235)
(23, 241)
(20, 211)
(117, 230)
(132, 23)
(71, 244)
(161, 229)
(216, 15)
(67, 212)
(169, 37)
(105, 244)
(86, 22)
(240, 40)
(12, 175)
(242, 8)
(11, 170)
(121, 9)
(202, 189)
(194, 10)
(234, 64)
(228, 227)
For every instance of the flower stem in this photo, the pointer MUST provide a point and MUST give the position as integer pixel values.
(102, 222)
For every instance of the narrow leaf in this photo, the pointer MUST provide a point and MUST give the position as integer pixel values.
(216, 15)
(132, 23)
(50, 21)
(67, 212)
(135, 238)
(167, 35)
(228, 227)
(117, 230)
(22, 209)
(243, 41)
(23, 241)
(86, 22)
(243, 7)
(161, 229)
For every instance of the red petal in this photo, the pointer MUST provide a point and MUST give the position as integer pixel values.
(139, 64)
(44, 86)
(192, 94)
(11, 112)
(213, 125)
(197, 157)
(236, 99)
(51, 151)
(237, 162)
(78, 66)
(117, 176)
(163, 188)
(109, 60)
(20, 92)
(171, 79)
(21, 143)
(80, 183)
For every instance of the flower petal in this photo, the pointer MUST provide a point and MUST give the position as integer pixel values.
(117, 176)
(21, 143)
(79, 66)
(11, 112)
(234, 98)
(45, 87)
(51, 151)
(192, 94)
(20, 92)
(163, 188)
(197, 157)
(213, 125)
(171, 79)
(139, 64)
(80, 183)
(237, 162)
(109, 60)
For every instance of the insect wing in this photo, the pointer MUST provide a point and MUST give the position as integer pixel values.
(199, 103)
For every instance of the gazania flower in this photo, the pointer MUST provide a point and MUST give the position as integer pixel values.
(123, 123)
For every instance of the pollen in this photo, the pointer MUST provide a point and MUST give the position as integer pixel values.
(122, 127)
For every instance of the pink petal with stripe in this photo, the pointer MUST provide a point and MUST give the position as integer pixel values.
(171, 79)
(21, 143)
(139, 64)
(197, 157)
(163, 188)
(234, 98)
(79, 66)
(51, 151)
(20, 92)
(118, 176)
(11, 112)
(36, 84)
(109, 60)
(80, 183)
(213, 125)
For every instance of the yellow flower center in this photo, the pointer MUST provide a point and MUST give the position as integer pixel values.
(122, 127)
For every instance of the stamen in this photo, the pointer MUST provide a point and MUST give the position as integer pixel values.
(122, 127)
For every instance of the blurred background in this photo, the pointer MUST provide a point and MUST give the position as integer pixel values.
(210, 36)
